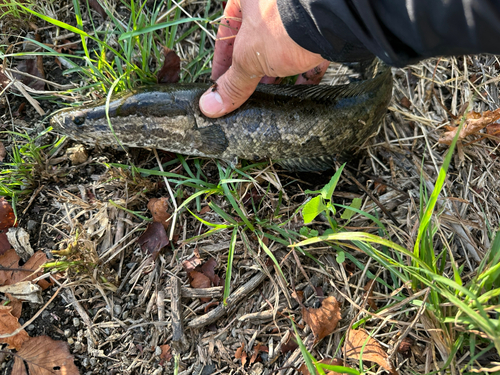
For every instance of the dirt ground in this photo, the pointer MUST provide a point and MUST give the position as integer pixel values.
(119, 310)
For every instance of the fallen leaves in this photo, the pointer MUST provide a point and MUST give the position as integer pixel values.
(360, 344)
(474, 122)
(155, 237)
(242, 355)
(324, 319)
(43, 356)
(171, 69)
(8, 324)
(202, 275)
(7, 220)
(159, 209)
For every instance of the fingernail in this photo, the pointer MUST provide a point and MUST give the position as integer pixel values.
(211, 103)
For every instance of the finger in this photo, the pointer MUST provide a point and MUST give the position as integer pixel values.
(224, 44)
(232, 89)
(313, 76)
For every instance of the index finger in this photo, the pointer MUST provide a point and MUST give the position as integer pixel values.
(224, 44)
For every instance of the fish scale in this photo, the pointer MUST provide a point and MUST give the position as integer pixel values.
(303, 128)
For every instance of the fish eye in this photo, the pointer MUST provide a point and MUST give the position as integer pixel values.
(79, 120)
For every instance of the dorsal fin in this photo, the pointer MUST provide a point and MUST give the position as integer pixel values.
(320, 93)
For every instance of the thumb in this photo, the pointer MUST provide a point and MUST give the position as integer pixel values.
(232, 89)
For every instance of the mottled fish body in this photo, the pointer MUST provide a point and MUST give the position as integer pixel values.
(300, 127)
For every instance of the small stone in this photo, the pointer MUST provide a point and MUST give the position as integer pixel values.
(158, 351)
(76, 322)
(125, 315)
(93, 362)
(67, 332)
(117, 309)
(70, 341)
(45, 314)
(85, 362)
(31, 225)
(77, 154)
(31, 327)
(78, 346)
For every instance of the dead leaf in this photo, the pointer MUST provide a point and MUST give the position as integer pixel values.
(358, 341)
(327, 361)
(3, 152)
(171, 69)
(369, 289)
(43, 356)
(166, 353)
(7, 217)
(8, 324)
(208, 268)
(257, 348)
(290, 345)
(153, 239)
(241, 354)
(494, 131)
(324, 319)
(204, 210)
(474, 122)
(199, 280)
(298, 295)
(191, 264)
(94, 4)
(34, 68)
(405, 345)
(22, 273)
(7, 220)
(159, 209)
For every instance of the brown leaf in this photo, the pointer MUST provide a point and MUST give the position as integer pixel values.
(405, 345)
(33, 67)
(94, 4)
(171, 69)
(7, 217)
(369, 289)
(43, 356)
(191, 264)
(199, 280)
(204, 210)
(208, 269)
(8, 324)
(327, 361)
(324, 319)
(166, 353)
(3, 152)
(358, 341)
(22, 273)
(298, 295)
(290, 345)
(4, 243)
(474, 122)
(159, 209)
(494, 131)
(153, 239)
(257, 348)
(241, 354)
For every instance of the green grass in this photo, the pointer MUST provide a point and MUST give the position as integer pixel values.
(468, 319)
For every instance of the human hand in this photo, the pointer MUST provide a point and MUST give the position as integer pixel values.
(251, 43)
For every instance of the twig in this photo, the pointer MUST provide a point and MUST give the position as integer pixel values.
(174, 202)
(176, 307)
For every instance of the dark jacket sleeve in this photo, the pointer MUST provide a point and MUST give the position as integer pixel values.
(400, 32)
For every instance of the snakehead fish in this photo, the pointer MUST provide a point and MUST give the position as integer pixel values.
(303, 128)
